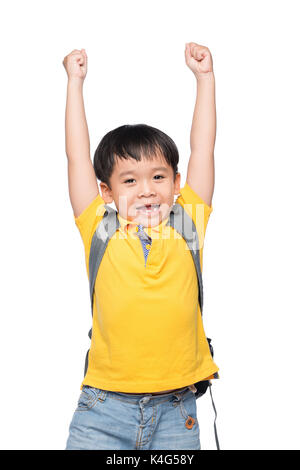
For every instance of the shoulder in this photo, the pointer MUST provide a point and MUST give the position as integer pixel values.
(89, 219)
(196, 208)
(189, 196)
(94, 209)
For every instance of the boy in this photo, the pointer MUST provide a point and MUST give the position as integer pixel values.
(148, 346)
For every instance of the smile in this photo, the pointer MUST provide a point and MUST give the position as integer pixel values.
(148, 208)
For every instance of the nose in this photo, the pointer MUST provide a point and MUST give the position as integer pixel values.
(146, 190)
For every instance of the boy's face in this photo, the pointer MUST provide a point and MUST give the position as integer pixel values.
(134, 185)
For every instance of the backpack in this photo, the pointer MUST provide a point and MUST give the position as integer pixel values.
(184, 225)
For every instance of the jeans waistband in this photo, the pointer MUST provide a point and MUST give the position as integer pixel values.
(135, 398)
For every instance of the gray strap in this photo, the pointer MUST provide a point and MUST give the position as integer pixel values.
(105, 230)
(215, 426)
(184, 225)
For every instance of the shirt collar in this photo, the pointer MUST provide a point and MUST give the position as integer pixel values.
(128, 225)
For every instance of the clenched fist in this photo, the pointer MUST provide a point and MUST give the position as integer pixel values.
(198, 59)
(75, 64)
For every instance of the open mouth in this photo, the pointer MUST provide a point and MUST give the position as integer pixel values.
(148, 208)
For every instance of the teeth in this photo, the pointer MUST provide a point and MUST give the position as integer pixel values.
(154, 207)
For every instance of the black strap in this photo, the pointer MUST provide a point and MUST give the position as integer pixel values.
(215, 426)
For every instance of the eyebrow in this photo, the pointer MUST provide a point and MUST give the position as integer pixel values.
(132, 172)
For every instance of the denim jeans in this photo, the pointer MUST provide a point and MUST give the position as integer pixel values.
(113, 420)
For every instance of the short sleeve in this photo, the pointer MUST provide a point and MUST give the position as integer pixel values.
(88, 221)
(197, 208)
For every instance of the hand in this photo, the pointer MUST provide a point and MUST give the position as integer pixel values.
(75, 64)
(198, 59)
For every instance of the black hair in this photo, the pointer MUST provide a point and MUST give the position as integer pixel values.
(133, 141)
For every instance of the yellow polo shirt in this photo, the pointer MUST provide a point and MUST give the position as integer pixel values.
(148, 334)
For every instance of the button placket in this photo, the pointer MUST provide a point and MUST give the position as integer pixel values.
(145, 240)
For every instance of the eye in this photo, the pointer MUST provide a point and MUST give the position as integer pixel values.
(131, 179)
(160, 176)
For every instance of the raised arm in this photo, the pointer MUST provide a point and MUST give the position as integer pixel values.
(201, 171)
(83, 186)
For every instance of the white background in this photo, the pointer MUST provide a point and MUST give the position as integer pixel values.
(137, 74)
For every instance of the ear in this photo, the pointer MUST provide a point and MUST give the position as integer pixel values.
(177, 184)
(106, 193)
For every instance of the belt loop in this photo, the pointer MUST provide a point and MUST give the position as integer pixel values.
(102, 395)
(177, 398)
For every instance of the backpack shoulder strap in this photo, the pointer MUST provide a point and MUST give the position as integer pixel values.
(103, 233)
(180, 220)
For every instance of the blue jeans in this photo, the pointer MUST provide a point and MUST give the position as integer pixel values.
(122, 421)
